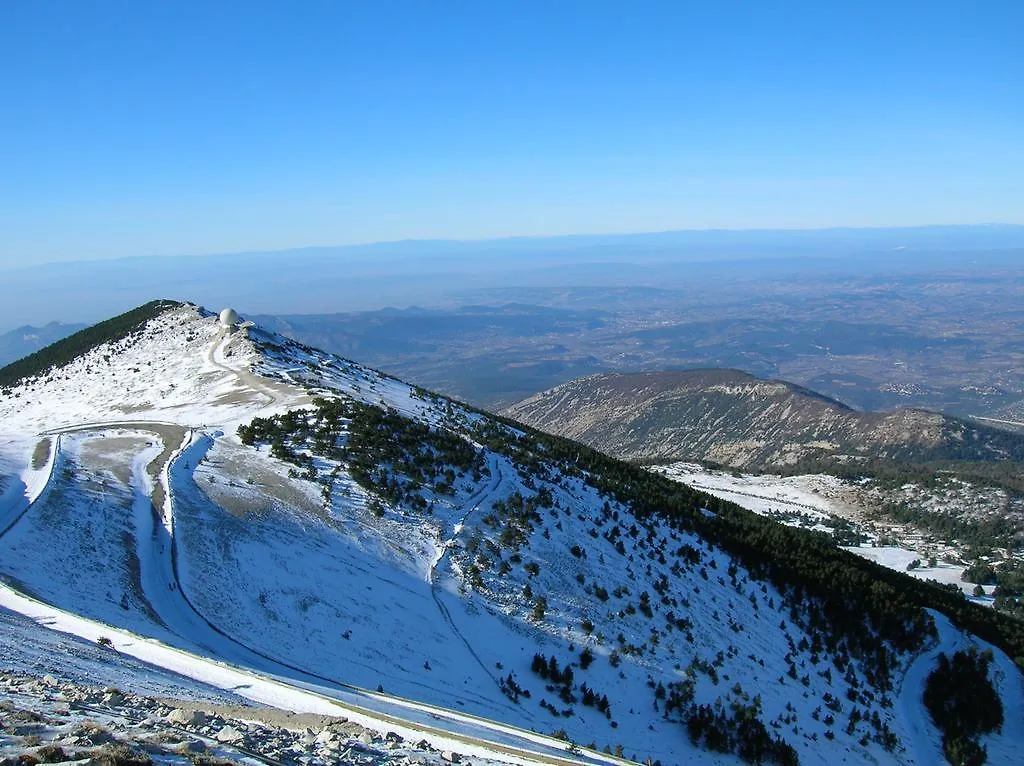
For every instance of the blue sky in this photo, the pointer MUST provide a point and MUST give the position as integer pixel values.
(134, 128)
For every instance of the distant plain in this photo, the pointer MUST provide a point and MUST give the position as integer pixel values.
(876, 318)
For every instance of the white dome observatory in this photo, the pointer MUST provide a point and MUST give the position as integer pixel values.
(229, 318)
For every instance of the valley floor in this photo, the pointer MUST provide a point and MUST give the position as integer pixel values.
(816, 502)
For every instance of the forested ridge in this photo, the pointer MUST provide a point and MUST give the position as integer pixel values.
(963, 704)
(847, 587)
(68, 349)
(857, 602)
(860, 614)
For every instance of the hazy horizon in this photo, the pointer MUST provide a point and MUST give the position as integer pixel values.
(171, 128)
(441, 273)
(570, 238)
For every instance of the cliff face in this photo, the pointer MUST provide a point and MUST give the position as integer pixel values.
(733, 418)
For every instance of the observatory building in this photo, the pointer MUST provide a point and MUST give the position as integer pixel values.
(229, 318)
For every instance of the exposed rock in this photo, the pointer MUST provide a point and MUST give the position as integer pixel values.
(133, 734)
(118, 755)
(328, 738)
(229, 735)
(94, 735)
(191, 747)
(47, 754)
(114, 698)
(183, 717)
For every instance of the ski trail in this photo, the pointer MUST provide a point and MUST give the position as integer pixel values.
(246, 670)
(20, 496)
(435, 588)
(156, 571)
(923, 740)
(220, 642)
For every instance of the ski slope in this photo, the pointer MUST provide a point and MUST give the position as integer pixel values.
(184, 642)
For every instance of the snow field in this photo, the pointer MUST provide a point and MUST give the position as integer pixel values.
(313, 602)
(442, 729)
(812, 496)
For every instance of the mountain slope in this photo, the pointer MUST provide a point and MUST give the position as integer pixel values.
(243, 497)
(736, 419)
(22, 341)
(67, 349)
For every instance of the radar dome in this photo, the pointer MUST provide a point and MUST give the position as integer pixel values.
(229, 317)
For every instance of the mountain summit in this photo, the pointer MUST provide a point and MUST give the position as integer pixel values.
(319, 535)
(736, 419)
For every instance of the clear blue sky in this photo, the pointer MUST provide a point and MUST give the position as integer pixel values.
(140, 127)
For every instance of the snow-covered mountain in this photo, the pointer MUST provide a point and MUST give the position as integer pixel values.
(309, 532)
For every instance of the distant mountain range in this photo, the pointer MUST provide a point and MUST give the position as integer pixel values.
(736, 419)
(371, 276)
(23, 341)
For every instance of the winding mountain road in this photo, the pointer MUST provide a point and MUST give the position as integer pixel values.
(154, 469)
(163, 454)
(200, 640)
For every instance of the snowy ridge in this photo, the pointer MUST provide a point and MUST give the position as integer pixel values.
(436, 574)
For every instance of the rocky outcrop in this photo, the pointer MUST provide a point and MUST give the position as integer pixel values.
(45, 720)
